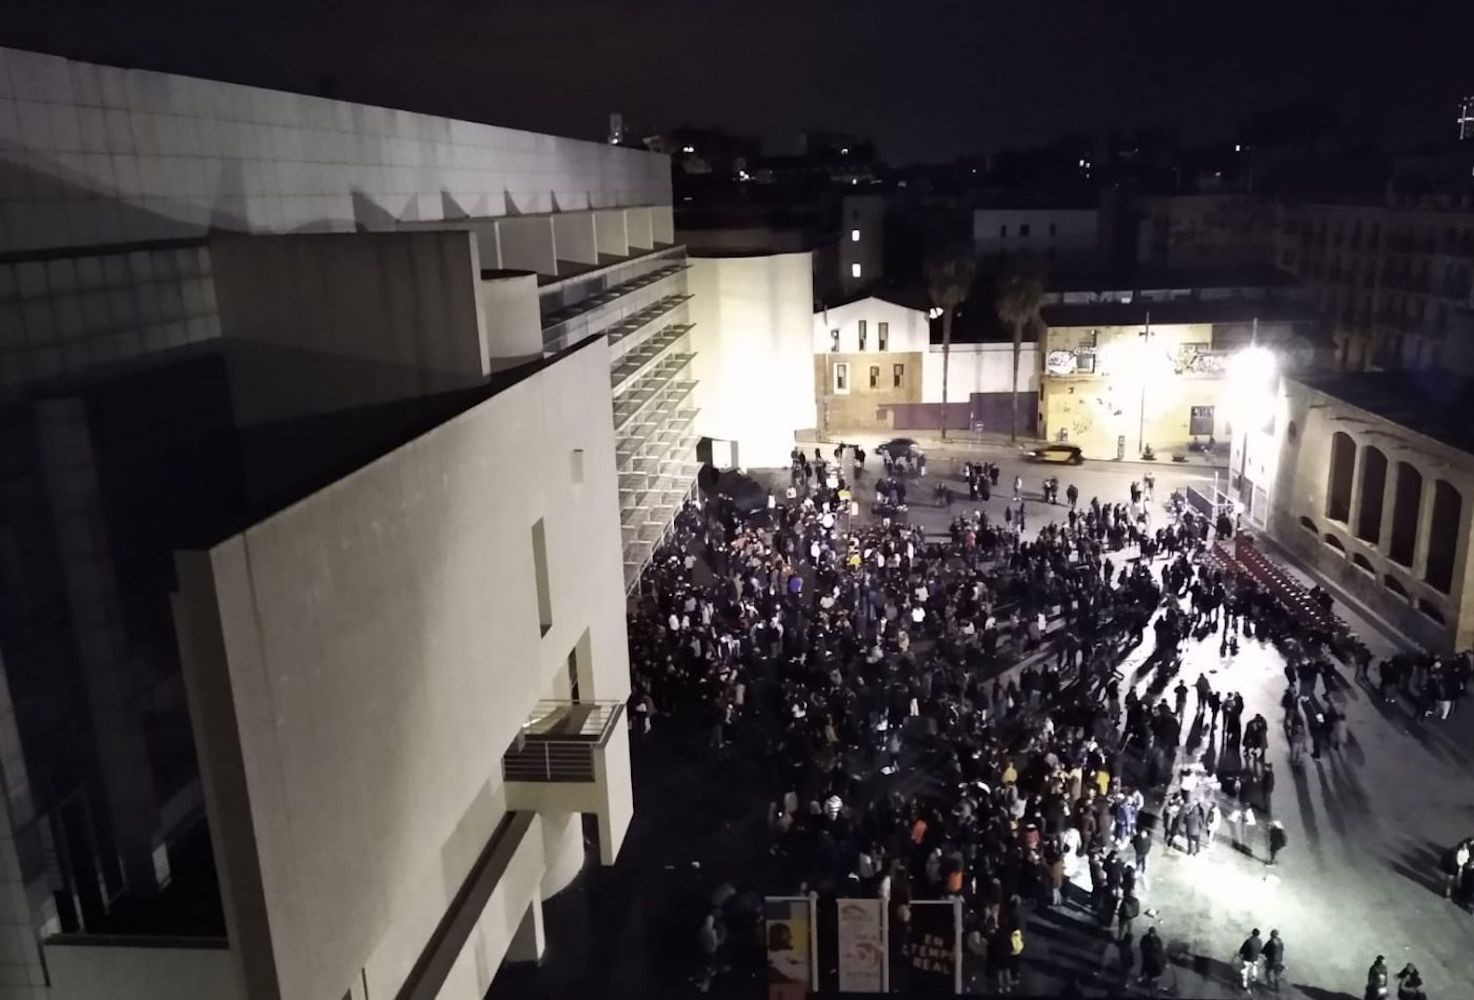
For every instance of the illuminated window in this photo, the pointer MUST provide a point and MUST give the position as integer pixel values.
(875, 376)
(854, 236)
(841, 378)
(883, 335)
(898, 376)
(862, 334)
(854, 270)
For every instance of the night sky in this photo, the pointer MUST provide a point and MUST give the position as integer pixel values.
(928, 79)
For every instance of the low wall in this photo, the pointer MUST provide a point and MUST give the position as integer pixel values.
(992, 409)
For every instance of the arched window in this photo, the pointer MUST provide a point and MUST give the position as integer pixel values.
(1408, 496)
(1361, 562)
(1338, 482)
(1395, 585)
(1448, 511)
(1373, 488)
(1335, 543)
(1430, 611)
(1309, 525)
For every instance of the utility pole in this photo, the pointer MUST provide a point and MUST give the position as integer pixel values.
(1146, 336)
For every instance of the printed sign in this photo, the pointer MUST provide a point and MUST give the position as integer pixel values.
(861, 946)
(787, 927)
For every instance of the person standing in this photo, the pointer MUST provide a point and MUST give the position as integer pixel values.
(1277, 840)
(1192, 826)
(1249, 959)
(1377, 980)
(1274, 960)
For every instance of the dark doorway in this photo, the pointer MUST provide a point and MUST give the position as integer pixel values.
(1405, 503)
(1448, 511)
(1338, 483)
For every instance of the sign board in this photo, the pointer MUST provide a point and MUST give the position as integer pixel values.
(861, 945)
(788, 928)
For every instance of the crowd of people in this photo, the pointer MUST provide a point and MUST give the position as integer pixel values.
(913, 759)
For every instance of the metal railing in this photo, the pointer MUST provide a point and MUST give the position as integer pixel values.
(559, 740)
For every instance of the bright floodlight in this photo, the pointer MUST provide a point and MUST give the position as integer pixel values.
(1252, 369)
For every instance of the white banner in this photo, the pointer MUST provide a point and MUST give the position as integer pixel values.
(861, 946)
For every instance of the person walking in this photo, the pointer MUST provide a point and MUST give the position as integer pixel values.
(1127, 912)
(1249, 959)
(1376, 980)
(1192, 826)
(1274, 960)
(1277, 840)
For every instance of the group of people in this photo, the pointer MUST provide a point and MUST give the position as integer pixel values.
(909, 759)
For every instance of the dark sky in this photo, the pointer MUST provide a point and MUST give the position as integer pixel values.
(928, 79)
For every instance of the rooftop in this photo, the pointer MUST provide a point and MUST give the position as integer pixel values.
(1180, 311)
(1431, 403)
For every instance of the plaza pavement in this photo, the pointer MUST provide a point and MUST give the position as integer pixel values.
(1358, 878)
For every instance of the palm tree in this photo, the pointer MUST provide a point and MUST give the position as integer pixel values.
(949, 279)
(1018, 307)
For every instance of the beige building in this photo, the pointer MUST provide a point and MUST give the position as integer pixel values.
(1118, 377)
(876, 370)
(1378, 507)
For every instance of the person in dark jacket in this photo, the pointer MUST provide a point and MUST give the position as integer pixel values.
(1277, 840)
(1249, 959)
(1153, 957)
(1274, 960)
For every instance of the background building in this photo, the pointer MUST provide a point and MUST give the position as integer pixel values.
(876, 369)
(1046, 237)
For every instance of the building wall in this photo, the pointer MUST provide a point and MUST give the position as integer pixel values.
(407, 302)
(99, 154)
(861, 241)
(93, 157)
(859, 406)
(1207, 231)
(382, 646)
(84, 969)
(1144, 395)
(753, 337)
(906, 329)
(1300, 516)
(1053, 233)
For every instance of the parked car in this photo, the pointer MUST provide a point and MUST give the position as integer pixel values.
(899, 448)
(1060, 454)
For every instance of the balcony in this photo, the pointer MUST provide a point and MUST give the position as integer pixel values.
(573, 756)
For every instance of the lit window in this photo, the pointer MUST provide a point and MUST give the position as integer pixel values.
(854, 270)
(854, 236)
(883, 334)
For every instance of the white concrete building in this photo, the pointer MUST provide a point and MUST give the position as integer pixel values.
(1050, 235)
(412, 399)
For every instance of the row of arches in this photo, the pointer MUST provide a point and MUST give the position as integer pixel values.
(1405, 484)
(1388, 580)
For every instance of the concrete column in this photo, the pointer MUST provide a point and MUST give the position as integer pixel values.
(1389, 505)
(529, 941)
(1358, 475)
(1462, 625)
(563, 854)
(1425, 526)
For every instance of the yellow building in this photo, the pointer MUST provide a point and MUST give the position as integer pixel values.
(1119, 377)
